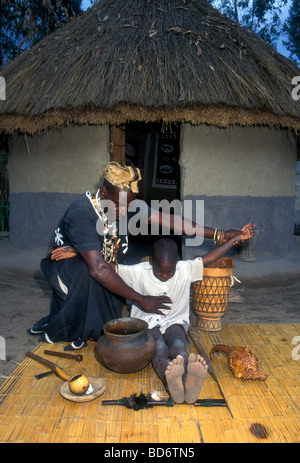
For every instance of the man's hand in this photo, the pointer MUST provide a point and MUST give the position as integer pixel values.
(64, 252)
(151, 304)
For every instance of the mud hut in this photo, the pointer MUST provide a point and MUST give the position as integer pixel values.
(203, 106)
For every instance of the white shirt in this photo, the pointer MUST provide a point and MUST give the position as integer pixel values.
(141, 278)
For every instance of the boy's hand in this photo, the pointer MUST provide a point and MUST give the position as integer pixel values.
(64, 252)
(248, 229)
(248, 233)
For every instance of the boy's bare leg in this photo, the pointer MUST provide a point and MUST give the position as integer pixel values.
(172, 344)
(174, 373)
(160, 359)
(196, 374)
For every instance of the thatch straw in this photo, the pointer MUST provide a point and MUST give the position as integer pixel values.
(170, 60)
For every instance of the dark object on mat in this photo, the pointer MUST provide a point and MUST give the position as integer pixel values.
(146, 401)
(259, 430)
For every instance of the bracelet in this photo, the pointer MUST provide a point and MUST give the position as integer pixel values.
(219, 236)
(215, 235)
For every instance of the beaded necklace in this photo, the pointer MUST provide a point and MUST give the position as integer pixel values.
(110, 245)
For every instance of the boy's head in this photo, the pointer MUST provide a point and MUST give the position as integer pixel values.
(164, 258)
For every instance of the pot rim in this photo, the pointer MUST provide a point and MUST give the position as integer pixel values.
(143, 326)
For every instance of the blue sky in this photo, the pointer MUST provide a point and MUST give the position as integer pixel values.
(86, 4)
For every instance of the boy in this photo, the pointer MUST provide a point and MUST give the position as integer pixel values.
(165, 275)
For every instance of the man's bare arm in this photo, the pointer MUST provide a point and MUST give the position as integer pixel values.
(104, 274)
(183, 226)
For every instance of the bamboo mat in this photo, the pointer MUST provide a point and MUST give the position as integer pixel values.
(34, 411)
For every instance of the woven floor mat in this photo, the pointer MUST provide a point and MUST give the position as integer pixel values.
(33, 410)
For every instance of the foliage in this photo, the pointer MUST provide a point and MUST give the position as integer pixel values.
(292, 28)
(25, 22)
(263, 17)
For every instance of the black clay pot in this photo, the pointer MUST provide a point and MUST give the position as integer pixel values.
(126, 345)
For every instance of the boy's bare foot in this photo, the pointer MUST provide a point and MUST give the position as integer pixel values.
(196, 374)
(174, 374)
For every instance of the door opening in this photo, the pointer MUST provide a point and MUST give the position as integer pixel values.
(155, 151)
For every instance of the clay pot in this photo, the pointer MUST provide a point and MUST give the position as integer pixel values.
(126, 345)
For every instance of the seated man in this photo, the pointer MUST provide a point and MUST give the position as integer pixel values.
(165, 275)
(87, 292)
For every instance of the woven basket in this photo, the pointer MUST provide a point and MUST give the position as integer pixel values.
(210, 297)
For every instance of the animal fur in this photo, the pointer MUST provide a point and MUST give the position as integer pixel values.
(241, 361)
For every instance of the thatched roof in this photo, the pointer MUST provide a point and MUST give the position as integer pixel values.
(149, 60)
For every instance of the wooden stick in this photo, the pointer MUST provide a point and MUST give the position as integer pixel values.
(169, 402)
(50, 365)
(211, 370)
(77, 357)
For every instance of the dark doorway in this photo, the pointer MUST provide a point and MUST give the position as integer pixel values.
(155, 149)
(156, 152)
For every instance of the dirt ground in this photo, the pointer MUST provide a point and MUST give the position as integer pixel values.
(25, 300)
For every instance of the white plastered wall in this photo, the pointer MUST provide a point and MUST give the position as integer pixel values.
(237, 161)
(69, 160)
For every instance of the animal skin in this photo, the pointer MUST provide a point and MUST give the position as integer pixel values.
(241, 361)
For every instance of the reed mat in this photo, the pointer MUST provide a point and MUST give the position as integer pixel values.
(268, 411)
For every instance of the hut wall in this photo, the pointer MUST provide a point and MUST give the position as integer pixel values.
(46, 172)
(243, 175)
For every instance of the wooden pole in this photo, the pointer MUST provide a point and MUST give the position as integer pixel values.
(117, 143)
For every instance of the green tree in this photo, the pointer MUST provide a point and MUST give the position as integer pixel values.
(263, 17)
(25, 22)
(292, 29)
